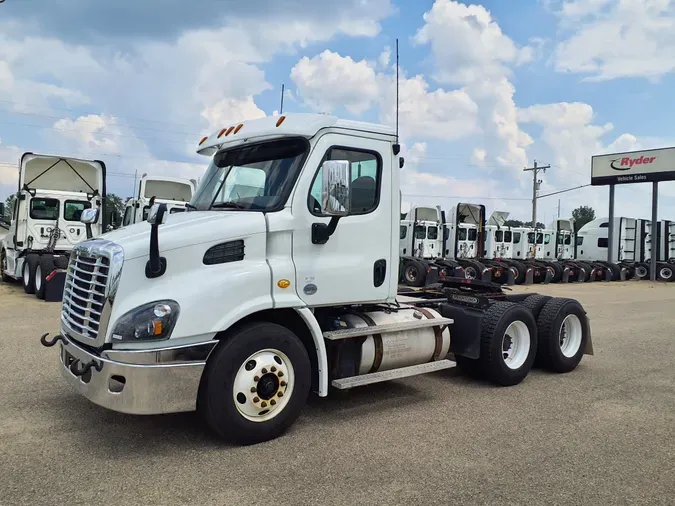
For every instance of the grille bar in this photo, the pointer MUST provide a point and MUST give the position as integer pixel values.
(84, 293)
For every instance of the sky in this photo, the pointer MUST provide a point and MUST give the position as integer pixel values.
(486, 88)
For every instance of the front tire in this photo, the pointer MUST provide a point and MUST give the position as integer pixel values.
(255, 384)
(44, 268)
(3, 267)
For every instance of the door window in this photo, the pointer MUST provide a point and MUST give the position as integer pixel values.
(420, 232)
(128, 213)
(432, 233)
(473, 234)
(365, 184)
(404, 231)
(507, 236)
(516, 238)
(499, 236)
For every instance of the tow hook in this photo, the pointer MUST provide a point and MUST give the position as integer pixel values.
(51, 343)
(85, 369)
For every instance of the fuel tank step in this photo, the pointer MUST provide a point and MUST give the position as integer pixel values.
(403, 372)
(423, 323)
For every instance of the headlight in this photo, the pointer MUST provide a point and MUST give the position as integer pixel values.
(149, 322)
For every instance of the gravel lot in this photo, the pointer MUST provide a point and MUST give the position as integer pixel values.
(603, 434)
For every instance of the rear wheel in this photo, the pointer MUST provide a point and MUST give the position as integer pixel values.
(3, 266)
(28, 272)
(665, 272)
(557, 272)
(641, 271)
(414, 273)
(473, 269)
(43, 269)
(255, 384)
(519, 271)
(563, 333)
(508, 343)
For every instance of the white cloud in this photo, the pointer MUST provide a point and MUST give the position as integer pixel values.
(385, 57)
(624, 38)
(470, 49)
(9, 172)
(478, 156)
(330, 81)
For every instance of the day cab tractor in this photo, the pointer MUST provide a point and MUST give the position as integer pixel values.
(246, 303)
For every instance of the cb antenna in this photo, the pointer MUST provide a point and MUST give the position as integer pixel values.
(281, 109)
(397, 146)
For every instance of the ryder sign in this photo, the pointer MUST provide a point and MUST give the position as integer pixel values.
(633, 167)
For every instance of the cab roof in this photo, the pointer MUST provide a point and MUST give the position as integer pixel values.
(286, 125)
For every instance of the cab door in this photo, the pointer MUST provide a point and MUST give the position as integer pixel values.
(354, 265)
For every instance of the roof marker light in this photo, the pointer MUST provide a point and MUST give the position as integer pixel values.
(281, 120)
(203, 140)
(239, 126)
(229, 131)
(220, 134)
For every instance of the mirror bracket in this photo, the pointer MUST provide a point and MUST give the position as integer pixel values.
(322, 232)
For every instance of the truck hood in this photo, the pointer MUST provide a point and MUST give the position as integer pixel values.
(187, 229)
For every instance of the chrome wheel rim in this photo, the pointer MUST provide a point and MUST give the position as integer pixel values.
(516, 343)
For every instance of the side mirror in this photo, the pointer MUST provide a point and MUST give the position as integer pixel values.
(89, 216)
(2, 210)
(336, 187)
(113, 219)
(157, 214)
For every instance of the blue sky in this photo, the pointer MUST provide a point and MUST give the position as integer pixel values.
(485, 88)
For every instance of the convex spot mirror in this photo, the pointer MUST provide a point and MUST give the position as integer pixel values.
(157, 214)
(89, 216)
(336, 187)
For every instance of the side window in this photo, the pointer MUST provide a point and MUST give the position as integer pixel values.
(547, 238)
(366, 180)
(72, 209)
(146, 211)
(580, 240)
(499, 236)
(404, 231)
(507, 236)
(516, 238)
(461, 234)
(44, 209)
(604, 225)
(530, 237)
(432, 233)
(540, 238)
(128, 212)
(420, 232)
(602, 242)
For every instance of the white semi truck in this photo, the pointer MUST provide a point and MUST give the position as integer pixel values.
(45, 222)
(241, 306)
(175, 192)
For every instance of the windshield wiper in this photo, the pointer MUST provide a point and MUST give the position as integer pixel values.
(190, 206)
(228, 204)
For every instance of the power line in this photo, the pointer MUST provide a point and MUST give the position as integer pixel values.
(563, 191)
(459, 197)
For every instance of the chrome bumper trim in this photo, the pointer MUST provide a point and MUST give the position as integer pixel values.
(167, 383)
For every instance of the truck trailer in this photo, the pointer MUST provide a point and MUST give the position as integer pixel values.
(243, 305)
(45, 223)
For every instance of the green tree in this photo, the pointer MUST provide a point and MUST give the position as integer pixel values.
(9, 206)
(513, 223)
(582, 215)
(114, 205)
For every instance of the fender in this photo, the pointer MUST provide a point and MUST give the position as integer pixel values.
(320, 345)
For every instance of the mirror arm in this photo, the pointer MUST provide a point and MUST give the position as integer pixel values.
(322, 232)
(90, 234)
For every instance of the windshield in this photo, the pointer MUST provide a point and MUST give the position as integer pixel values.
(258, 177)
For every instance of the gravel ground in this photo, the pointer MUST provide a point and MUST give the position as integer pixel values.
(603, 434)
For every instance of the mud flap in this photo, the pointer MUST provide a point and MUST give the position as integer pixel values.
(529, 276)
(487, 274)
(624, 274)
(549, 275)
(608, 274)
(588, 349)
(582, 275)
(510, 277)
(566, 275)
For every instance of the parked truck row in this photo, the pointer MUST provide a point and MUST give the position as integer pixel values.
(282, 278)
(463, 243)
(45, 222)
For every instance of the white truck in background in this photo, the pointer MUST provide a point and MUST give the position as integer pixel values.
(45, 225)
(241, 306)
(175, 192)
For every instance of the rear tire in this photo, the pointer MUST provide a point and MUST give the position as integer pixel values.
(519, 273)
(641, 272)
(414, 273)
(28, 272)
(3, 267)
(508, 343)
(473, 269)
(563, 332)
(230, 399)
(44, 268)
(665, 272)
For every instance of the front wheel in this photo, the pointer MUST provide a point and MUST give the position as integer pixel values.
(255, 384)
(28, 272)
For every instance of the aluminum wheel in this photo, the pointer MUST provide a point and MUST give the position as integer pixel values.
(38, 277)
(641, 272)
(570, 335)
(666, 273)
(263, 385)
(516, 344)
(470, 272)
(26, 273)
(411, 274)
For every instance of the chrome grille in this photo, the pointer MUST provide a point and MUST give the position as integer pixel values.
(84, 294)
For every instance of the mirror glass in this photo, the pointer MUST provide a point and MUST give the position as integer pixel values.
(89, 216)
(335, 187)
(157, 214)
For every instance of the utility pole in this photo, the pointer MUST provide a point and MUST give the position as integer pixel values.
(535, 186)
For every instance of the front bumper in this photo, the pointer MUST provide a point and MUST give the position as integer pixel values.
(143, 382)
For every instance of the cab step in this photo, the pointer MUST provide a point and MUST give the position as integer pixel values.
(403, 372)
(423, 323)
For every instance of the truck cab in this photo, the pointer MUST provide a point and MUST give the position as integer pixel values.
(174, 192)
(498, 238)
(565, 238)
(242, 305)
(421, 234)
(45, 221)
